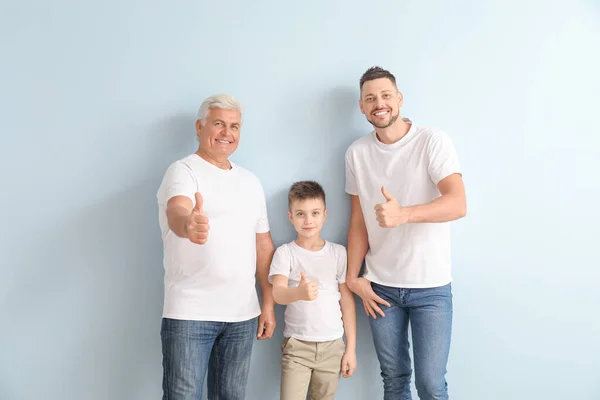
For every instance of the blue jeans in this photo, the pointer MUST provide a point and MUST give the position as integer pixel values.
(190, 348)
(429, 312)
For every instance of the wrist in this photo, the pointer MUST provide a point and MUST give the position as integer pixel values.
(296, 294)
(351, 281)
(268, 302)
(410, 214)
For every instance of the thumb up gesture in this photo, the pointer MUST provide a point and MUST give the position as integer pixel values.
(197, 223)
(390, 214)
(308, 290)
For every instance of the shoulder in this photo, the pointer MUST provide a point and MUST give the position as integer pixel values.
(283, 253)
(185, 163)
(432, 135)
(337, 249)
(359, 144)
(247, 176)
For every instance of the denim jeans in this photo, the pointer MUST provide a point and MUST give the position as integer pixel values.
(191, 348)
(429, 312)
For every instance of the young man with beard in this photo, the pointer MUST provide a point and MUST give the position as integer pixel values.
(405, 184)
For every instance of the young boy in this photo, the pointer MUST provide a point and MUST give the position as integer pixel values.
(309, 275)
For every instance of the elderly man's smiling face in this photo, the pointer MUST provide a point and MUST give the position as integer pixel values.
(219, 132)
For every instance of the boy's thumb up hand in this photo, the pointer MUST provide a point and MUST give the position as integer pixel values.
(308, 290)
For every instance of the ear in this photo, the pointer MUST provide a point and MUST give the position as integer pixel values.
(324, 214)
(400, 99)
(290, 216)
(198, 128)
(360, 104)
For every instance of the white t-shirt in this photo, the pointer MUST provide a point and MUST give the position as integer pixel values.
(214, 281)
(410, 255)
(318, 320)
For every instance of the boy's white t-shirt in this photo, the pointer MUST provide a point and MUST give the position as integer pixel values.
(214, 281)
(410, 255)
(318, 320)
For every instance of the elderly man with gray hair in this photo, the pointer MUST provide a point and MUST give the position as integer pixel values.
(216, 240)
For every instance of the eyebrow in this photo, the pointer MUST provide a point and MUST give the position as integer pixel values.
(383, 91)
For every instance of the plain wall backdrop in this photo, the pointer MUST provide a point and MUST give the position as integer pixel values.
(98, 98)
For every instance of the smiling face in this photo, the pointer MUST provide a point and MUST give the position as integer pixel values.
(219, 133)
(380, 102)
(308, 216)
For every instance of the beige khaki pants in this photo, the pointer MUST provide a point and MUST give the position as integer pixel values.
(314, 364)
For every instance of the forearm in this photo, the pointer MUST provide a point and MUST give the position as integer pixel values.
(284, 295)
(177, 217)
(358, 245)
(263, 262)
(349, 319)
(445, 208)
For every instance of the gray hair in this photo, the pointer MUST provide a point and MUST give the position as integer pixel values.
(223, 101)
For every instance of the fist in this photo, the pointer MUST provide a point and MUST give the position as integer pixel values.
(308, 290)
(197, 223)
(390, 214)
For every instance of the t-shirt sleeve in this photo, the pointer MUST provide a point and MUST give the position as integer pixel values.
(262, 224)
(179, 180)
(342, 265)
(443, 160)
(351, 186)
(281, 264)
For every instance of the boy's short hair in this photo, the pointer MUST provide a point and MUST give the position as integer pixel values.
(304, 190)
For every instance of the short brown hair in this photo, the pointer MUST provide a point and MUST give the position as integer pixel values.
(376, 73)
(304, 190)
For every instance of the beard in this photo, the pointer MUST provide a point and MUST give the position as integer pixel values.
(393, 119)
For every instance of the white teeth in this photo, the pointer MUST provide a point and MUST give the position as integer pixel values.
(378, 113)
(223, 141)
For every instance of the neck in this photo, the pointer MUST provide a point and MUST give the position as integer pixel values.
(393, 133)
(313, 243)
(222, 163)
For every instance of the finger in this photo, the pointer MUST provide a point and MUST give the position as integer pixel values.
(270, 328)
(200, 219)
(387, 194)
(302, 277)
(199, 203)
(200, 235)
(369, 310)
(344, 369)
(198, 240)
(376, 308)
(379, 299)
(261, 328)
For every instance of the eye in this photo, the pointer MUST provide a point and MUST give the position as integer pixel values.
(386, 96)
(316, 213)
(218, 124)
(235, 128)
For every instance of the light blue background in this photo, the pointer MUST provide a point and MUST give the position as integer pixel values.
(97, 98)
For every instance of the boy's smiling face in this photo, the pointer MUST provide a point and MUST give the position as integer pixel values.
(308, 217)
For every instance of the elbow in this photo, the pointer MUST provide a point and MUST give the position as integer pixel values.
(266, 247)
(277, 297)
(461, 211)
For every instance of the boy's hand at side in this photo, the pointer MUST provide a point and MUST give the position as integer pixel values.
(349, 364)
(308, 290)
